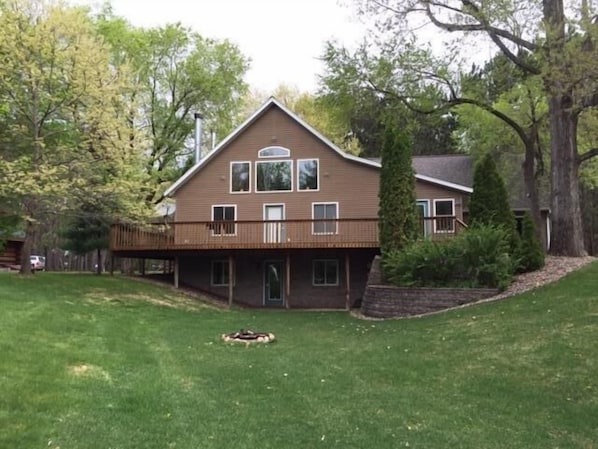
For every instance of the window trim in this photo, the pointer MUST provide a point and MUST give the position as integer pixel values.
(325, 284)
(299, 189)
(444, 231)
(259, 153)
(313, 224)
(224, 234)
(426, 224)
(230, 182)
(290, 161)
(224, 263)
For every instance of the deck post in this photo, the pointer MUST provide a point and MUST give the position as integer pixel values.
(231, 277)
(287, 283)
(112, 260)
(348, 282)
(176, 272)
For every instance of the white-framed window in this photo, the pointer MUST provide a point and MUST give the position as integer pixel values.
(444, 215)
(219, 274)
(325, 272)
(274, 176)
(322, 212)
(308, 178)
(274, 151)
(223, 219)
(240, 177)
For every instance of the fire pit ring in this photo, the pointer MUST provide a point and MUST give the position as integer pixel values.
(248, 336)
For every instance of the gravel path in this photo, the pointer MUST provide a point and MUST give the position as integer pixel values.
(554, 269)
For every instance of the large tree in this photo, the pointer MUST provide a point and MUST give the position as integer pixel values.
(352, 91)
(62, 138)
(177, 73)
(544, 40)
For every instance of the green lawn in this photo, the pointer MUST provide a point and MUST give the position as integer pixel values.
(98, 362)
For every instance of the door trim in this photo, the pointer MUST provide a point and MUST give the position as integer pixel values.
(266, 263)
(278, 229)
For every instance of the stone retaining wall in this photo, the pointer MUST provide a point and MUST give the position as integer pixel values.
(386, 301)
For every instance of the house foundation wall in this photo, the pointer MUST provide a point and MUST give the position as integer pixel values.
(249, 278)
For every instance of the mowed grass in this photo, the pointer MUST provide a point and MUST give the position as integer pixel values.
(104, 362)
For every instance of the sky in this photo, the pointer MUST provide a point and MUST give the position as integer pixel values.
(283, 38)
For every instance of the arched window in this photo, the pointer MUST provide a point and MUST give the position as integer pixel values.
(274, 152)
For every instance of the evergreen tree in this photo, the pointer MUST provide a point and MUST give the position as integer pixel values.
(531, 254)
(89, 232)
(489, 202)
(397, 214)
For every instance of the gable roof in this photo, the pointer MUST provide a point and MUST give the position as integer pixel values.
(272, 102)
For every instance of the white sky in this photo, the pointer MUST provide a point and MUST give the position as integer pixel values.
(283, 38)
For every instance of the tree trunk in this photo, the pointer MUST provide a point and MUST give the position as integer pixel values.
(27, 247)
(531, 190)
(567, 228)
(99, 261)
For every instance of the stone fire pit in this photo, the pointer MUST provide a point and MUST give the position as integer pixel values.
(248, 336)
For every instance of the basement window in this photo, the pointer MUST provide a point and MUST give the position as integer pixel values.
(325, 272)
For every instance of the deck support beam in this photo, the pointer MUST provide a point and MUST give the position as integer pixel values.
(231, 277)
(176, 272)
(287, 283)
(348, 282)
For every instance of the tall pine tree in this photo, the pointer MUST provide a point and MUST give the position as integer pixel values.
(397, 215)
(489, 202)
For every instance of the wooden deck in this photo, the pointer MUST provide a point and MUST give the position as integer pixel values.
(340, 233)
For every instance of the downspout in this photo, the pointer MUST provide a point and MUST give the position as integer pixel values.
(198, 118)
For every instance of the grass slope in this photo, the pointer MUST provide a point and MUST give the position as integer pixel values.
(97, 362)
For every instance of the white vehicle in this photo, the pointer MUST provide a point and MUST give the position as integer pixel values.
(38, 263)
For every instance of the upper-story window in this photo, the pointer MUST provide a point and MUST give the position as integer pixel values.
(274, 152)
(307, 174)
(273, 176)
(444, 211)
(240, 174)
(321, 212)
(223, 219)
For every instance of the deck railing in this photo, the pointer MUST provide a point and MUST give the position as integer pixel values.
(327, 233)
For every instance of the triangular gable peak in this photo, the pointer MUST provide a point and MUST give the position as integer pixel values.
(272, 102)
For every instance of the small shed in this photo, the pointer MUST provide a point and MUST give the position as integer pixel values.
(10, 252)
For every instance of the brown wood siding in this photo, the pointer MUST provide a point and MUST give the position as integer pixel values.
(353, 185)
(249, 276)
(428, 191)
(11, 253)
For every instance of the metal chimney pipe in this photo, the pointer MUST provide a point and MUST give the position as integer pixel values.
(198, 119)
(213, 139)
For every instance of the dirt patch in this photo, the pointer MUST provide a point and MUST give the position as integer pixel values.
(90, 371)
(176, 301)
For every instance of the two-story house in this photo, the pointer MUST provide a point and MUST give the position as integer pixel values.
(276, 215)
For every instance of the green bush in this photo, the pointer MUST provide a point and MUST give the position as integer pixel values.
(531, 254)
(478, 257)
(486, 256)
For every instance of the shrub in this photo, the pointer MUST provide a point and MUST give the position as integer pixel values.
(531, 254)
(425, 263)
(486, 256)
(479, 257)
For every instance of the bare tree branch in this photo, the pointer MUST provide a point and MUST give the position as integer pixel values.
(494, 33)
(588, 155)
(455, 101)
